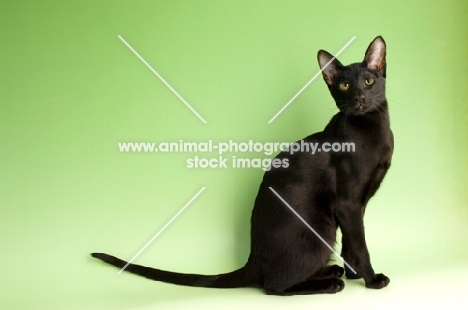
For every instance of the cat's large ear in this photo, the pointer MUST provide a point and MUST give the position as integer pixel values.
(375, 56)
(329, 65)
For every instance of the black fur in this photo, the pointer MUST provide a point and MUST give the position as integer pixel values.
(328, 189)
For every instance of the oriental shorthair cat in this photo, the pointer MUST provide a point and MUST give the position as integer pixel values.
(327, 189)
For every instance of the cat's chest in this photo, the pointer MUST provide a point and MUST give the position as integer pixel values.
(372, 140)
(372, 150)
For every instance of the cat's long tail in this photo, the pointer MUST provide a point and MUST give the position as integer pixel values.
(239, 278)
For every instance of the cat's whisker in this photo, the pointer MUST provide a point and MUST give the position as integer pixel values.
(396, 102)
(379, 110)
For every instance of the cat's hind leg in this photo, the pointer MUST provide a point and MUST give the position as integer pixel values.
(332, 271)
(326, 280)
(311, 286)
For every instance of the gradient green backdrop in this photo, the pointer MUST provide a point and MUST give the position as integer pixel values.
(70, 90)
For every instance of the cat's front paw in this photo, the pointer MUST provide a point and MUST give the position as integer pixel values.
(380, 281)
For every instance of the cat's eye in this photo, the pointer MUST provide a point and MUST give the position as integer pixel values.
(369, 81)
(344, 86)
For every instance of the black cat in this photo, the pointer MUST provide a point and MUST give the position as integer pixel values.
(327, 189)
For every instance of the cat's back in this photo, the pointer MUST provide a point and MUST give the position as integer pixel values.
(308, 174)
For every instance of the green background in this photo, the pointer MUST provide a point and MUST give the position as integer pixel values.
(70, 90)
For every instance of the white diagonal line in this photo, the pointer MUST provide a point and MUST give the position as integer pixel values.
(311, 80)
(162, 79)
(313, 230)
(161, 230)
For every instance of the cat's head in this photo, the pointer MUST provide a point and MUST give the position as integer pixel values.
(360, 87)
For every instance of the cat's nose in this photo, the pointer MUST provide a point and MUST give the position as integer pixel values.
(360, 99)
